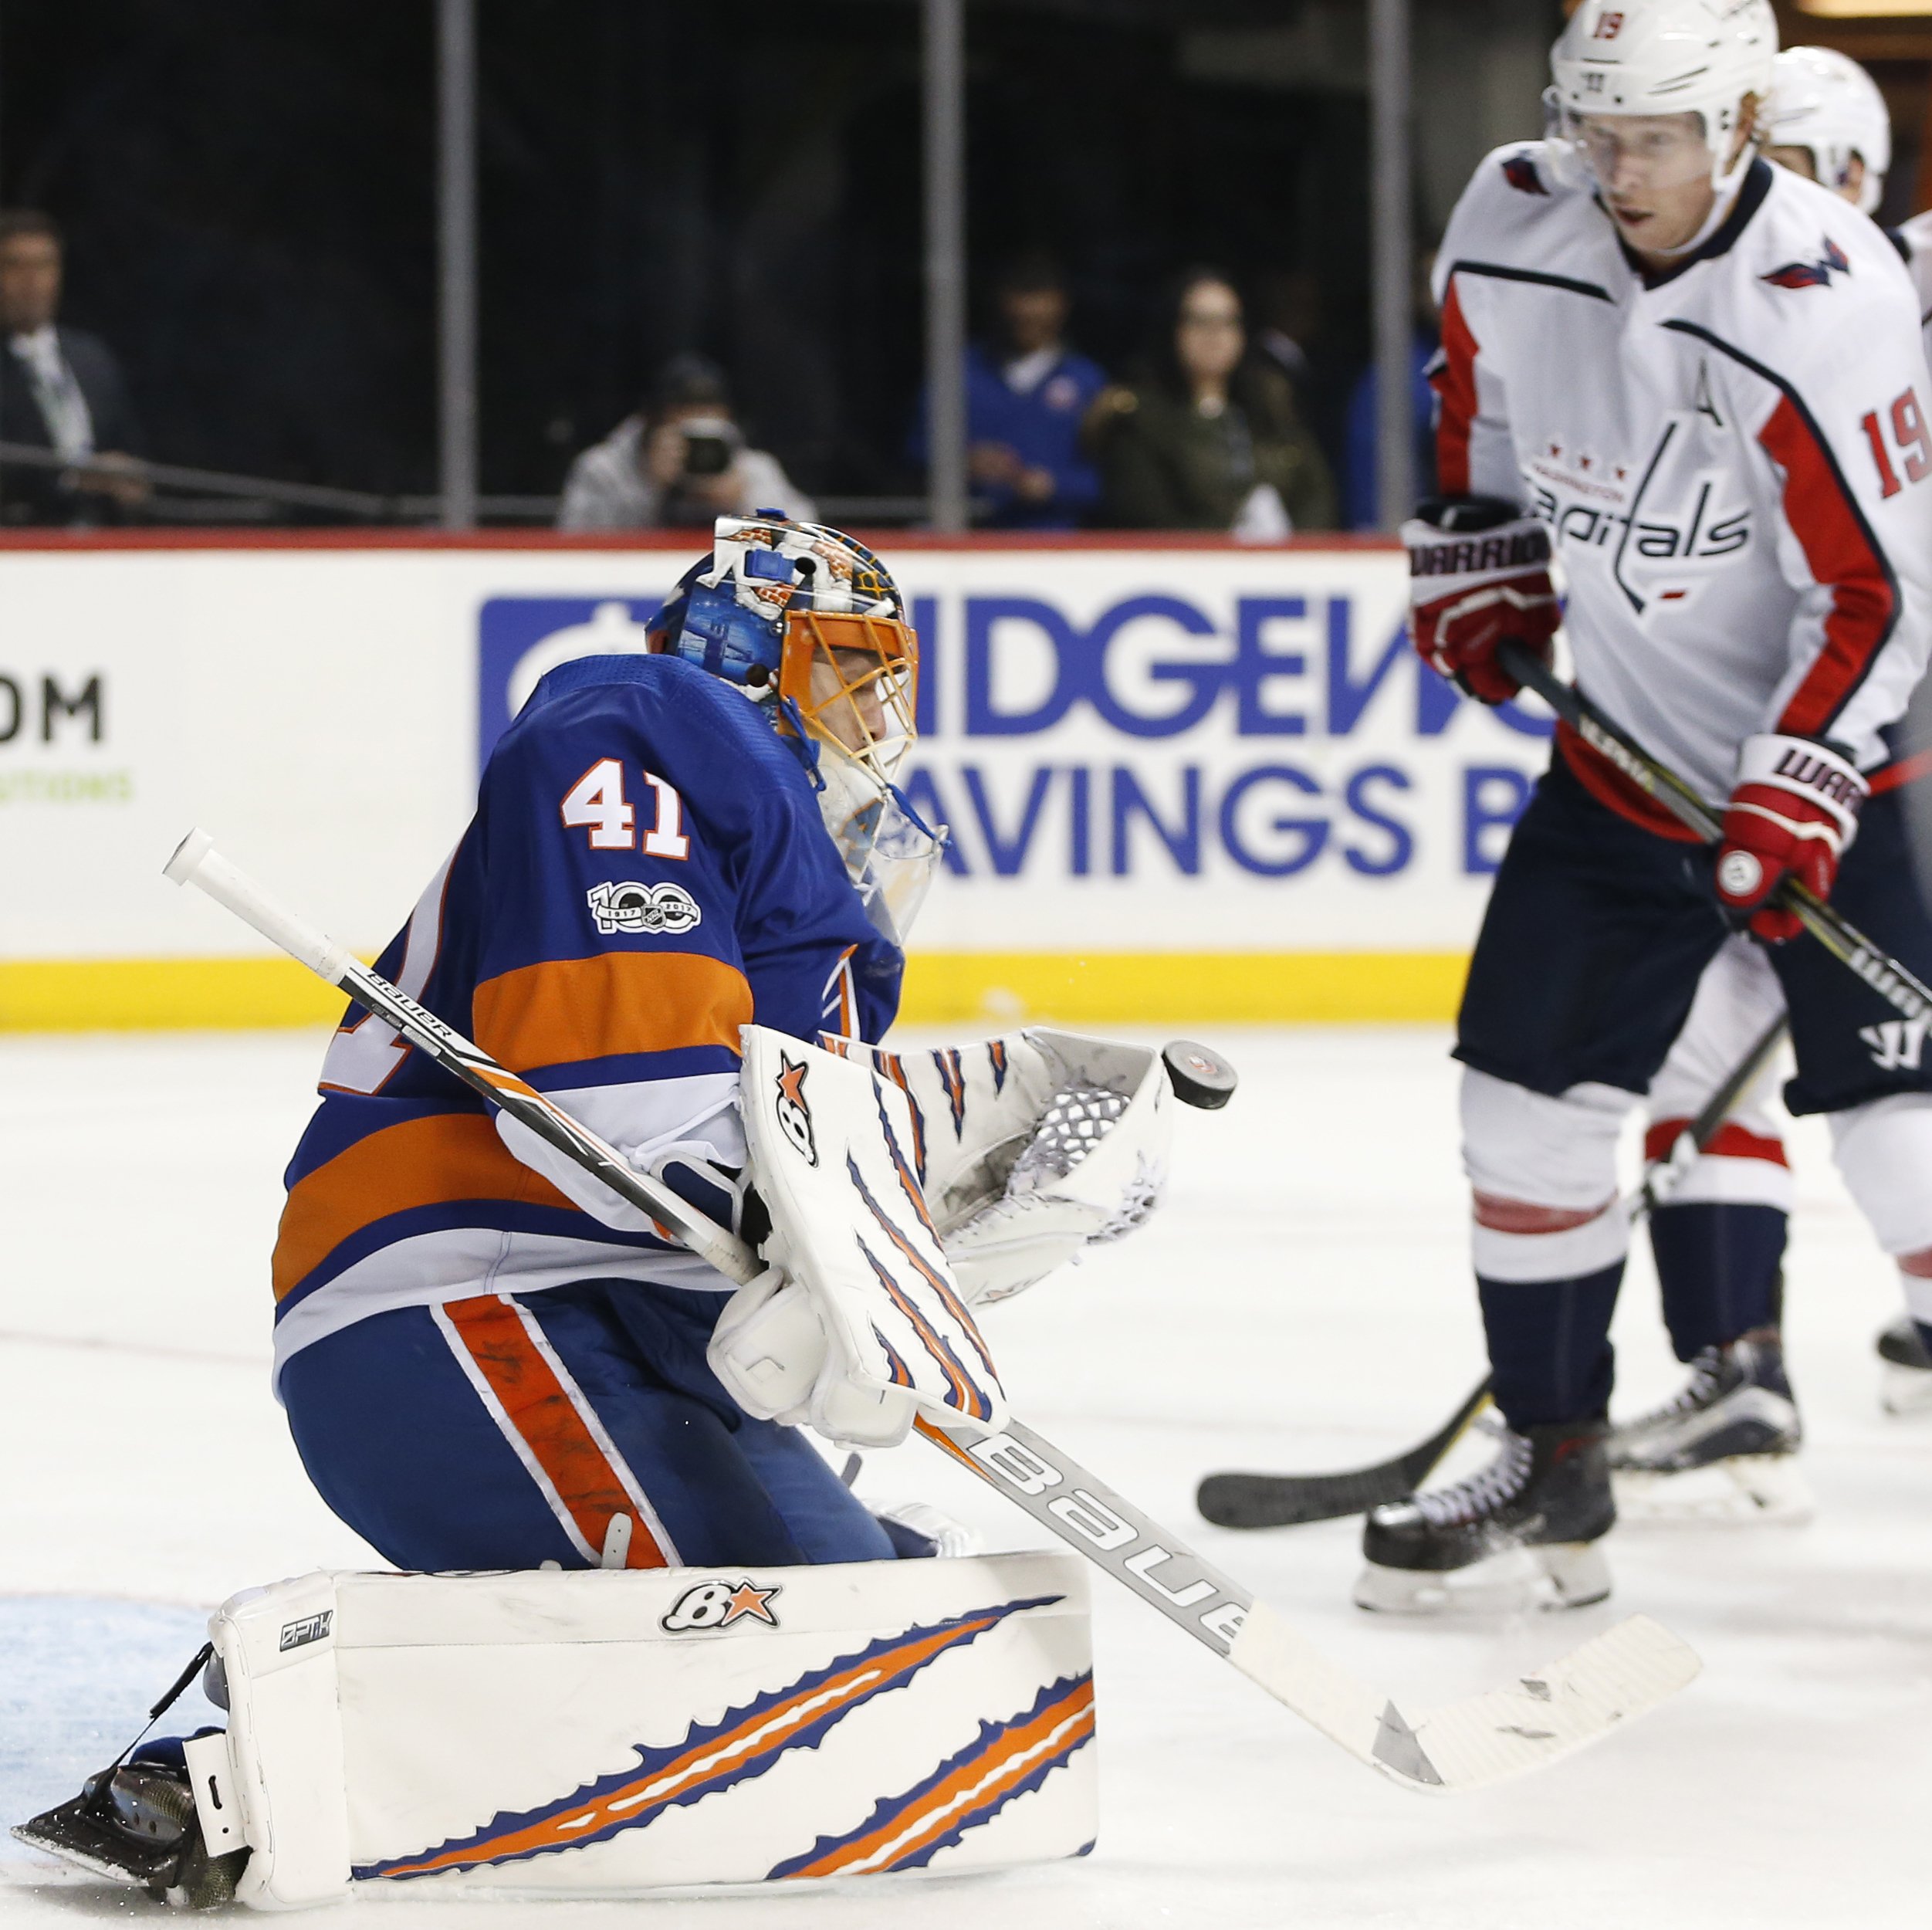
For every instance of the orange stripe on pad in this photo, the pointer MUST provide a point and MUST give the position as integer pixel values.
(982, 1777)
(540, 1409)
(427, 1162)
(565, 1010)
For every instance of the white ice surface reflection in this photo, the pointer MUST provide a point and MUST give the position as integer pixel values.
(1302, 1302)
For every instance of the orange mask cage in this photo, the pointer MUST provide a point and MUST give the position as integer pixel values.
(874, 702)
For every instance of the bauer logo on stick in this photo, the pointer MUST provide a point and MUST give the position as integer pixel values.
(718, 1605)
(794, 1111)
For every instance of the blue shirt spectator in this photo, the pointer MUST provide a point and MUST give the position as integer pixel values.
(1362, 469)
(1026, 398)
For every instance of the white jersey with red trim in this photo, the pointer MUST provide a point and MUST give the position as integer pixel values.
(1733, 457)
(1914, 238)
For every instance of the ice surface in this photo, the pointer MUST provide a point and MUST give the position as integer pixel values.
(1302, 1302)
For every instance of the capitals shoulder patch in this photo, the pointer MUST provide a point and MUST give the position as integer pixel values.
(1816, 274)
(1519, 171)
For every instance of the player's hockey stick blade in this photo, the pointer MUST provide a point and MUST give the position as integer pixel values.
(1468, 1744)
(1237, 1500)
(1241, 1500)
(1900, 988)
(1460, 1746)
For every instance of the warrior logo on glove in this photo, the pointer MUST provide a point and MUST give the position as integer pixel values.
(1479, 578)
(1793, 814)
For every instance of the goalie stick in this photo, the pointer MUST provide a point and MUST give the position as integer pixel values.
(1240, 1499)
(1462, 1745)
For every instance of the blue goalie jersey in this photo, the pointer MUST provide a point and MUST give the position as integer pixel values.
(647, 871)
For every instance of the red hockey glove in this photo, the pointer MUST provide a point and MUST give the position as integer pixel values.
(1478, 575)
(1792, 813)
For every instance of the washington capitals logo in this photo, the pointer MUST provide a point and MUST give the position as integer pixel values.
(1816, 274)
(1519, 171)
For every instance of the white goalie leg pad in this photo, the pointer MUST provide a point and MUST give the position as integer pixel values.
(861, 1321)
(616, 1732)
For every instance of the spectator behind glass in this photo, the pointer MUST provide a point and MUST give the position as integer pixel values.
(60, 390)
(1027, 395)
(1210, 440)
(1361, 466)
(681, 462)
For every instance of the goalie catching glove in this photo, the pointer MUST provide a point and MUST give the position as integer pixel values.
(1031, 1147)
(1479, 577)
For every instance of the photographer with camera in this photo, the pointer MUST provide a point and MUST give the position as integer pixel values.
(680, 462)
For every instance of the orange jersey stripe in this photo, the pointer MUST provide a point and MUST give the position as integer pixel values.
(568, 1010)
(450, 1156)
(543, 1413)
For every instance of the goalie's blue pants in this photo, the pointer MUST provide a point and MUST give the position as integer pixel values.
(580, 1426)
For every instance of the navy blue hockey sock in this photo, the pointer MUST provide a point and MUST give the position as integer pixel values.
(1549, 1345)
(1717, 1266)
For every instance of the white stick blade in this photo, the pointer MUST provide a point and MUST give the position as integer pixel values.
(1285, 1663)
(1579, 1698)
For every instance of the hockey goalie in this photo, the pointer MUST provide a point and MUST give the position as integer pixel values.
(680, 912)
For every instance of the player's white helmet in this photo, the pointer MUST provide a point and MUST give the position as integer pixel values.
(1825, 102)
(1659, 58)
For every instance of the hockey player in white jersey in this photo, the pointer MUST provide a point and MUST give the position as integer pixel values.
(1644, 328)
(1725, 1447)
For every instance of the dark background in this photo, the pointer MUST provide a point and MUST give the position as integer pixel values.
(248, 194)
(248, 190)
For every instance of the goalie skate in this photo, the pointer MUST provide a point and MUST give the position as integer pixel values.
(1723, 1452)
(1520, 1534)
(1906, 1385)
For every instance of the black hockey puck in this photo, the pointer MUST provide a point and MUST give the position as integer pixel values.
(1199, 1077)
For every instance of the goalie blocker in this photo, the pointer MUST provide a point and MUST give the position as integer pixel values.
(606, 1733)
(902, 1190)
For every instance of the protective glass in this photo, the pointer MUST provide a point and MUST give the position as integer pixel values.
(1630, 154)
(852, 683)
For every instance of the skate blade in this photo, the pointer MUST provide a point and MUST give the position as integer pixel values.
(1905, 1391)
(1520, 1580)
(73, 1853)
(1744, 1491)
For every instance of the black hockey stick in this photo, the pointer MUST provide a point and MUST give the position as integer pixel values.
(1899, 987)
(1238, 1500)
(1243, 1500)
(1465, 1744)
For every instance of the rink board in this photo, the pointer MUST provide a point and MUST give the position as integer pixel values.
(1193, 780)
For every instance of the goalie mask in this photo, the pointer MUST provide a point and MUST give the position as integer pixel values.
(809, 624)
(1659, 86)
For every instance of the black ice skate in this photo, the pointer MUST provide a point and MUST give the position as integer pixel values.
(1725, 1450)
(1520, 1533)
(1906, 1386)
(136, 1823)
